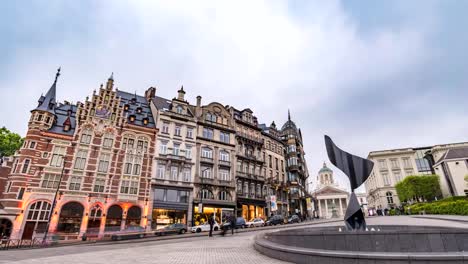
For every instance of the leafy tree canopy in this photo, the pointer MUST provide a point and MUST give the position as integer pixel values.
(425, 187)
(9, 142)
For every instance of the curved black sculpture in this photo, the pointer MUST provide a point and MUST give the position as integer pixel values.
(358, 170)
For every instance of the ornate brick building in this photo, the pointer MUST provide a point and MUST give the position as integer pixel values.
(97, 156)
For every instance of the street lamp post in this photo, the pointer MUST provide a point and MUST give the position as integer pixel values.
(54, 201)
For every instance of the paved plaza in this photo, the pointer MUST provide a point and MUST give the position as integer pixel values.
(229, 249)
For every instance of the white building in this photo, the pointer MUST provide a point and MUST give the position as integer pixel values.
(392, 166)
(331, 199)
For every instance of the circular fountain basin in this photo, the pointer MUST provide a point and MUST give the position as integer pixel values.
(387, 244)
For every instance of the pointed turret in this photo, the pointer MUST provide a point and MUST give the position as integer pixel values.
(48, 102)
(110, 82)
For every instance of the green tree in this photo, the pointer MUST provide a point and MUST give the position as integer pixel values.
(414, 187)
(9, 142)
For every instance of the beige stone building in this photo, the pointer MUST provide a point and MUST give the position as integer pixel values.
(332, 201)
(392, 166)
(174, 160)
(275, 170)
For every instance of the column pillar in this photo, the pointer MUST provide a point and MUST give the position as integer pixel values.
(326, 208)
(320, 208)
(341, 207)
(102, 227)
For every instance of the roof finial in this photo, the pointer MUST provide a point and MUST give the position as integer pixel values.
(112, 76)
(57, 74)
(289, 116)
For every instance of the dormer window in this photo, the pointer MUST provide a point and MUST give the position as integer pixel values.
(145, 121)
(66, 128)
(179, 109)
(132, 118)
(133, 100)
(126, 107)
(139, 110)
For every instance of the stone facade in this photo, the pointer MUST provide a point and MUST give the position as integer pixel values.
(391, 166)
(120, 160)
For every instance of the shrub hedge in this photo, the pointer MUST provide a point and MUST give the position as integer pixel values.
(426, 187)
(450, 206)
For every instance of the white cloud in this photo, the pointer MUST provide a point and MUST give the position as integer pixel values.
(256, 54)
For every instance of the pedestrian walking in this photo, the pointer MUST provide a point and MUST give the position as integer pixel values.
(233, 224)
(211, 223)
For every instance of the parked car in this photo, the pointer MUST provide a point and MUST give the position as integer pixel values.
(132, 232)
(256, 222)
(171, 229)
(204, 227)
(275, 220)
(240, 222)
(294, 219)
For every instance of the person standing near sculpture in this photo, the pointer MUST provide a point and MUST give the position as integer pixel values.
(211, 222)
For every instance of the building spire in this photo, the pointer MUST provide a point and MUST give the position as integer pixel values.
(110, 82)
(112, 76)
(47, 103)
(289, 115)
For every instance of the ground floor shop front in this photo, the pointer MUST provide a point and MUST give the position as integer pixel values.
(221, 212)
(251, 208)
(72, 217)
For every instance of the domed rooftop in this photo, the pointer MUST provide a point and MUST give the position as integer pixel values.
(289, 123)
(324, 169)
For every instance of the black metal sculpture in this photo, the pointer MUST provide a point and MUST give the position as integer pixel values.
(358, 170)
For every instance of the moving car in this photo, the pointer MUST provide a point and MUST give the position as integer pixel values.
(204, 227)
(294, 219)
(171, 229)
(132, 232)
(275, 220)
(256, 222)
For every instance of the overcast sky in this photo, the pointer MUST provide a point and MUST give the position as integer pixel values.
(371, 75)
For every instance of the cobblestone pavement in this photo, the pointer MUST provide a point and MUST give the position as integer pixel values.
(229, 249)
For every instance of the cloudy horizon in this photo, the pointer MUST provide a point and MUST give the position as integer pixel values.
(372, 76)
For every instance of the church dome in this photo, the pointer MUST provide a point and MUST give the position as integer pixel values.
(289, 124)
(324, 169)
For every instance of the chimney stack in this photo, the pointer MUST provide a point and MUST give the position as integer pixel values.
(150, 93)
(180, 94)
(198, 101)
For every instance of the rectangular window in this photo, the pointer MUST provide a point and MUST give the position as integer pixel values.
(208, 133)
(57, 156)
(25, 166)
(382, 164)
(99, 185)
(80, 160)
(282, 166)
(125, 186)
(131, 142)
(75, 183)
(165, 128)
(188, 152)
(163, 148)
(395, 163)
(8, 187)
(104, 162)
(407, 163)
(15, 166)
(128, 168)
(224, 156)
(134, 187)
(386, 179)
(187, 175)
(140, 144)
(160, 171)
(276, 163)
(174, 172)
(206, 172)
(136, 169)
(20, 193)
(50, 181)
(172, 196)
(224, 137)
(397, 176)
(190, 132)
(108, 142)
(86, 137)
(32, 145)
(177, 131)
(175, 150)
(159, 194)
(224, 175)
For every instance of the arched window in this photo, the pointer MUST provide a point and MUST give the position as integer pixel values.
(206, 194)
(5, 228)
(70, 218)
(108, 141)
(224, 196)
(389, 197)
(36, 219)
(114, 218)
(96, 212)
(133, 216)
(207, 153)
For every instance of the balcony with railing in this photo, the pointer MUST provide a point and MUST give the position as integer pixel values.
(225, 163)
(206, 160)
(250, 176)
(251, 138)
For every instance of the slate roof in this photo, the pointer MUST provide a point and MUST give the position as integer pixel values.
(455, 153)
(134, 101)
(62, 113)
(47, 103)
(161, 103)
